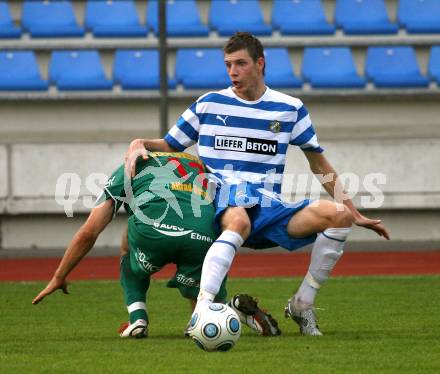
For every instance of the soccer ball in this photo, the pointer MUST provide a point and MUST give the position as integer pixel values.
(215, 328)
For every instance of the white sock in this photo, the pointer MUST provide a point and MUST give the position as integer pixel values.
(204, 298)
(136, 306)
(305, 296)
(216, 265)
(326, 252)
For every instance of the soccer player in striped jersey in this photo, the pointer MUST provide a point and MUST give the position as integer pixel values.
(242, 135)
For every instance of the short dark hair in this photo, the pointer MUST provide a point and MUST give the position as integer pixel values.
(245, 40)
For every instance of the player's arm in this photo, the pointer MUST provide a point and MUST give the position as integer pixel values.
(319, 165)
(139, 148)
(81, 244)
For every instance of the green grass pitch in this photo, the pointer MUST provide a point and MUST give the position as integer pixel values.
(371, 325)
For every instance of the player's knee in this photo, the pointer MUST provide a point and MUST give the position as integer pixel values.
(335, 215)
(346, 217)
(238, 223)
(342, 216)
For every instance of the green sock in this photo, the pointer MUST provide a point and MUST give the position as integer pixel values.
(138, 314)
(135, 290)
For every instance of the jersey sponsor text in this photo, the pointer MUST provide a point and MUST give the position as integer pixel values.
(170, 230)
(187, 281)
(188, 187)
(144, 263)
(203, 238)
(251, 145)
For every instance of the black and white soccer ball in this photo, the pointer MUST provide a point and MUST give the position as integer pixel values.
(215, 328)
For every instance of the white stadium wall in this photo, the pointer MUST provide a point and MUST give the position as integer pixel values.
(34, 217)
(398, 136)
(3, 178)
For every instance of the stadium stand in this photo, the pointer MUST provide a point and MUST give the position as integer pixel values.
(201, 68)
(78, 70)
(7, 27)
(363, 17)
(434, 64)
(330, 67)
(229, 16)
(113, 19)
(419, 16)
(391, 66)
(365, 129)
(178, 25)
(300, 17)
(138, 69)
(45, 19)
(279, 71)
(19, 71)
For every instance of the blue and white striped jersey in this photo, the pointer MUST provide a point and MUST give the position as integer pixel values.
(241, 140)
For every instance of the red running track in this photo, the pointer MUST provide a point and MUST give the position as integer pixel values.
(245, 266)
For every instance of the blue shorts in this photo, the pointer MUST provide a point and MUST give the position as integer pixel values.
(269, 217)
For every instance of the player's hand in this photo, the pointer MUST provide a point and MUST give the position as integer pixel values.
(52, 286)
(135, 150)
(372, 224)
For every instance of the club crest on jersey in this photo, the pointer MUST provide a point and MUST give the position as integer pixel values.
(249, 145)
(275, 126)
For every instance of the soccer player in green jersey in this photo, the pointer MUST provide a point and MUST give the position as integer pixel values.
(170, 220)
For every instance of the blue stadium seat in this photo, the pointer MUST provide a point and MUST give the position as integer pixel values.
(363, 17)
(7, 26)
(113, 18)
(331, 67)
(434, 64)
(138, 69)
(78, 70)
(279, 71)
(201, 68)
(300, 17)
(19, 72)
(44, 19)
(230, 16)
(391, 66)
(183, 18)
(419, 16)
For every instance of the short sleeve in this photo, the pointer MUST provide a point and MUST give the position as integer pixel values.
(303, 134)
(185, 132)
(114, 189)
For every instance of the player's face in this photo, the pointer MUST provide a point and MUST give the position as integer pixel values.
(246, 74)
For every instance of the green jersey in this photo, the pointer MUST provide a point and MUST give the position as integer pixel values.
(169, 189)
(171, 217)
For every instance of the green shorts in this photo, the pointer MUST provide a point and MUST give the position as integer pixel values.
(153, 247)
